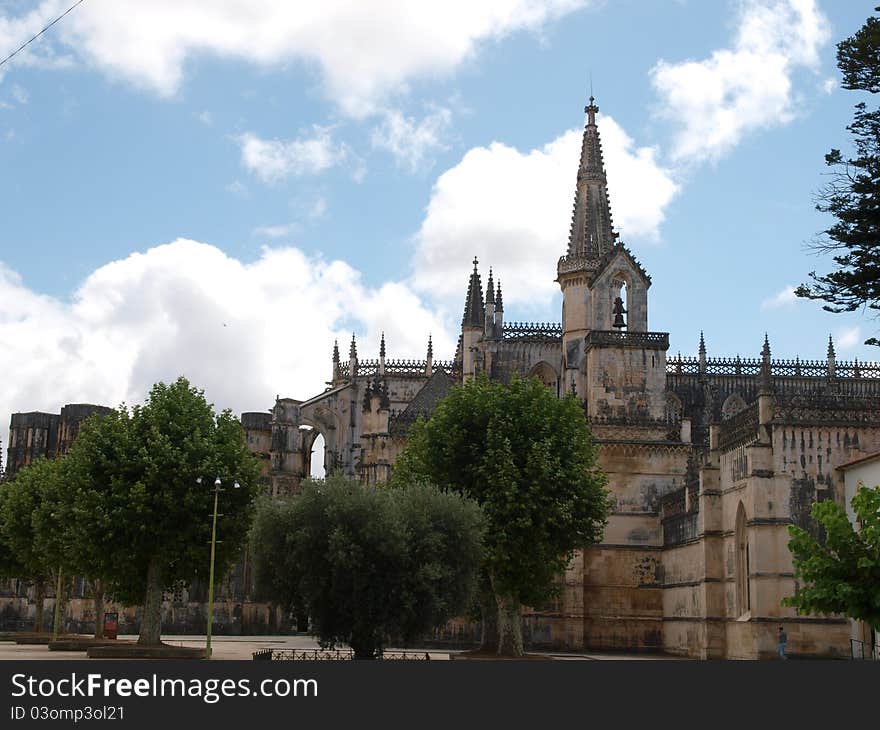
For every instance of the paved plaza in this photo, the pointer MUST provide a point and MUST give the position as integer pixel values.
(243, 648)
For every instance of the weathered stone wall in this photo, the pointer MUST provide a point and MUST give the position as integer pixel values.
(626, 382)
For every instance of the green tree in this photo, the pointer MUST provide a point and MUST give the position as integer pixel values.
(138, 513)
(31, 554)
(853, 194)
(527, 457)
(59, 537)
(368, 564)
(841, 572)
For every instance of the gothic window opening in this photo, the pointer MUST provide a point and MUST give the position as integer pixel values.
(742, 568)
(673, 408)
(314, 446)
(619, 304)
(547, 375)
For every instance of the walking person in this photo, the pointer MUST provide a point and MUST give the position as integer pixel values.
(783, 640)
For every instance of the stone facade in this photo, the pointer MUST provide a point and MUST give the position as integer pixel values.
(708, 459)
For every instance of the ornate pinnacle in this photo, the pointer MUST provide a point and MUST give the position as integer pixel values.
(430, 348)
(591, 110)
(474, 309)
(592, 232)
(353, 351)
(490, 289)
(336, 351)
(765, 351)
(499, 304)
(831, 353)
(382, 346)
(702, 345)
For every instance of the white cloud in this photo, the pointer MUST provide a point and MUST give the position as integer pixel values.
(410, 140)
(364, 51)
(513, 210)
(243, 331)
(15, 30)
(20, 94)
(279, 231)
(849, 338)
(716, 101)
(272, 160)
(206, 118)
(783, 298)
(829, 85)
(237, 188)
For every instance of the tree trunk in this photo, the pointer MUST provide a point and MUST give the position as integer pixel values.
(98, 597)
(510, 642)
(39, 597)
(489, 626)
(151, 620)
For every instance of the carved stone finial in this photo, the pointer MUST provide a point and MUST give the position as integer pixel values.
(702, 345)
(352, 351)
(499, 304)
(765, 351)
(336, 351)
(382, 346)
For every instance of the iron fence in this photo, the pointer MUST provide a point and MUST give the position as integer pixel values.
(863, 650)
(311, 655)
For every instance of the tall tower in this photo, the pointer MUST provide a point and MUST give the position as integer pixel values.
(601, 282)
(473, 324)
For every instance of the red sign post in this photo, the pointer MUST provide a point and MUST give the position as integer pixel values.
(111, 625)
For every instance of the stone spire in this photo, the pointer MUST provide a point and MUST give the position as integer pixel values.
(474, 309)
(832, 358)
(335, 352)
(381, 369)
(429, 362)
(499, 303)
(352, 358)
(765, 382)
(702, 353)
(490, 289)
(592, 232)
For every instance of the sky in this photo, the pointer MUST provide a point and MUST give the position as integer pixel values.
(220, 189)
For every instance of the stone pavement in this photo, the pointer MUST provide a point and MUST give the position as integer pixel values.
(243, 647)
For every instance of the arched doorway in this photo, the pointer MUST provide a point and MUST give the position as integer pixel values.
(546, 374)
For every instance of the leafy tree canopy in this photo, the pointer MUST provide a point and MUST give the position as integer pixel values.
(527, 457)
(841, 573)
(138, 512)
(368, 564)
(34, 550)
(853, 193)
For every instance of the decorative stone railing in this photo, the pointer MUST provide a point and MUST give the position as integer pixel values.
(653, 340)
(396, 367)
(543, 331)
(796, 368)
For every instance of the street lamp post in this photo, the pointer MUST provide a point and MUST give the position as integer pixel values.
(217, 490)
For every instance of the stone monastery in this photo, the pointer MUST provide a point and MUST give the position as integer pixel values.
(709, 459)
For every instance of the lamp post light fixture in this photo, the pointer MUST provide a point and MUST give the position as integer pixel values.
(217, 490)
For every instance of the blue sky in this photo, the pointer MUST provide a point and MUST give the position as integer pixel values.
(220, 189)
